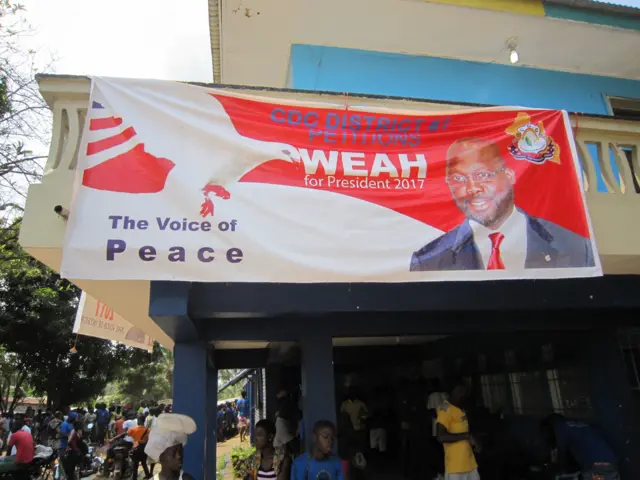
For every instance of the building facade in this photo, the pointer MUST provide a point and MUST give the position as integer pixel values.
(528, 347)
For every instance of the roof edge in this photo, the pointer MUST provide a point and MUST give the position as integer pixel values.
(327, 93)
(598, 7)
(215, 33)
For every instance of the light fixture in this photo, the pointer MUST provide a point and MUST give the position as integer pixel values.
(512, 44)
(513, 55)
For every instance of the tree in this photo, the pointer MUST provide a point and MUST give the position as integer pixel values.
(24, 115)
(37, 310)
(12, 379)
(149, 377)
(37, 347)
(224, 376)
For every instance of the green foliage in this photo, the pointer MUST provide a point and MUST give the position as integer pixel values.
(241, 460)
(37, 311)
(233, 391)
(5, 106)
(38, 351)
(221, 464)
(149, 376)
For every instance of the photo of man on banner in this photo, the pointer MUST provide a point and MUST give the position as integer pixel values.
(496, 234)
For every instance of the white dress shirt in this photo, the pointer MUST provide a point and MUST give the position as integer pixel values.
(126, 426)
(513, 249)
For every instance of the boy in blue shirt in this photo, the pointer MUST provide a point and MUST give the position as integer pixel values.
(596, 459)
(320, 464)
(244, 413)
(65, 430)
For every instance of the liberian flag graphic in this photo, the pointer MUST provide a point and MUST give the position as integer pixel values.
(120, 162)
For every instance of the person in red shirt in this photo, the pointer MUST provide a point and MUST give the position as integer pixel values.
(23, 441)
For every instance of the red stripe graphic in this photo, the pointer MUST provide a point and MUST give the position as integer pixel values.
(109, 142)
(103, 123)
(135, 171)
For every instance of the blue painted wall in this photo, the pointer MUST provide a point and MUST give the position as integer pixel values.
(190, 398)
(348, 70)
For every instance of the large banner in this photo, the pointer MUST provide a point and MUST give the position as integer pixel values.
(182, 182)
(97, 319)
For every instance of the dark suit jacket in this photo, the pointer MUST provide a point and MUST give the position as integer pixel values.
(548, 246)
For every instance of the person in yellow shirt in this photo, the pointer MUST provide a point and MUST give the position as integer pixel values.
(453, 433)
(356, 409)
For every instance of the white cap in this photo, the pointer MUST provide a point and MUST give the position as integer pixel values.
(170, 429)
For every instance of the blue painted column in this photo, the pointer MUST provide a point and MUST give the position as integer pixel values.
(190, 378)
(318, 384)
(212, 409)
(169, 308)
(251, 391)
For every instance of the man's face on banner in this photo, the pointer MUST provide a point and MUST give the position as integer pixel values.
(480, 183)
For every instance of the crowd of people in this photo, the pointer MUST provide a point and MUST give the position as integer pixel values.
(430, 436)
(70, 431)
(232, 418)
(434, 436)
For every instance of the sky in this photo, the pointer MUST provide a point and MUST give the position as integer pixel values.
(626, 3)
(163, 39)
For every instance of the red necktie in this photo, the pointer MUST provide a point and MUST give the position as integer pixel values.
(495, 260)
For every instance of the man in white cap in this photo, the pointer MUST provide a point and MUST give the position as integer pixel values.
(166, 442)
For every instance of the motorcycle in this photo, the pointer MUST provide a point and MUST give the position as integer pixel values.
(123, 466)
(120, 464)
(90, 464)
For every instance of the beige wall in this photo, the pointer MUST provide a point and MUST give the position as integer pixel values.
(614, 214)
(256, 36)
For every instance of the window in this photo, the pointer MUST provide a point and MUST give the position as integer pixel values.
(482, 362)
(624, 107)
(630, 346)
(510, 359)
(574, 391)
(556, 393)
(529, 393)
(627, 109)
(495, 392)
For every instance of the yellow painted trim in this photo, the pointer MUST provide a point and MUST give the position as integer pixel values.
(525, 7)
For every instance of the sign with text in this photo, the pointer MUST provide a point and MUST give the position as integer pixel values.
(96, 319)
(182, 182)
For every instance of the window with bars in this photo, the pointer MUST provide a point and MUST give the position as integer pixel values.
(546, 381)
(628, 109)
(556, 392)
(561, 390)
(529, 393)
(495, 391)
(576, 393)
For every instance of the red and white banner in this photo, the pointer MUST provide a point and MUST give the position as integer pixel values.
(181, 182)
(97, 319)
